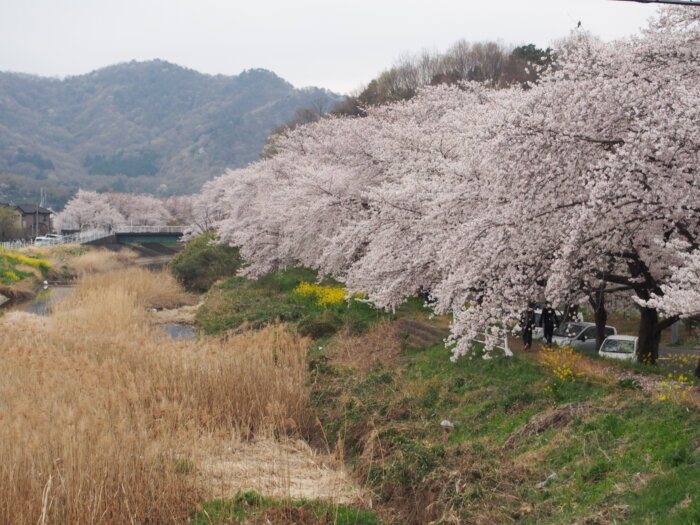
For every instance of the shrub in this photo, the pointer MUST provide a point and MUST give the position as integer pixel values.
(321, 325)
(202, 262)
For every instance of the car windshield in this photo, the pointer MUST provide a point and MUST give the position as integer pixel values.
(618, 346)
(568, 329)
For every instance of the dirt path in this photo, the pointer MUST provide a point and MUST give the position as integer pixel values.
(656, 385)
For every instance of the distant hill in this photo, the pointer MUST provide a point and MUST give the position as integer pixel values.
(139, 126)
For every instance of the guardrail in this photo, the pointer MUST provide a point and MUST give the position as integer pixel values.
(92, 235)
(498, 338)
(11, 245)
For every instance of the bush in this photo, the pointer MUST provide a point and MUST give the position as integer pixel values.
(290, 295)
(322, 324)
(202, 262)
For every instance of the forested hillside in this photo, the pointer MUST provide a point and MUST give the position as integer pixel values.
(139, 126)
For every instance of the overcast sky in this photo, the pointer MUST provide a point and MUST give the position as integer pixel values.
(331, 44)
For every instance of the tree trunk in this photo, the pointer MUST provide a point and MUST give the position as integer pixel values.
(649, 336)
(697, 370)
(601, 318)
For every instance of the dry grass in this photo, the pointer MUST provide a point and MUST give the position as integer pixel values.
(57, 252)
(102, 260)
(75, 260)
(103, 416)
(280, 469)
(379, 343)
(184, 314)
(556, 418)
(150, 289)
(19, 291)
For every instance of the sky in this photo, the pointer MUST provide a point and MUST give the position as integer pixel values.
(336, 45)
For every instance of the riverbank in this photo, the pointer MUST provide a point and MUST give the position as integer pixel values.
(107, 419)
(362, 417)
(64, 264)
(536, 438)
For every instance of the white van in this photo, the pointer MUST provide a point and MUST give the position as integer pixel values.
(622, 347)
(48, 239)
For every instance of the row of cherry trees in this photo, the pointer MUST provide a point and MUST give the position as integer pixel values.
(89, 209)
(581, 185)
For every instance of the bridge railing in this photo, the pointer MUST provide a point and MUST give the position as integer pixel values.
(149, 229)
(83, 237)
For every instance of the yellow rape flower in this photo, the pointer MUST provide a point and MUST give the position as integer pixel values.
(323, 295)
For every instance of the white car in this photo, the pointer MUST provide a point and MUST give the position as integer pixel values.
(622, 347)
(48, 239)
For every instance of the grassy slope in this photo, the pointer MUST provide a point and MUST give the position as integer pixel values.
(15, 267)
(619, 455)
(22, 271)
(239, 302)
(252, 506)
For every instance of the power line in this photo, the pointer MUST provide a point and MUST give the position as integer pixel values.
(676, 2)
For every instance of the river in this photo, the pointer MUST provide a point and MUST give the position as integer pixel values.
(50, 296)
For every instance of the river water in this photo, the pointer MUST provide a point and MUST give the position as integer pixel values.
(48, 298)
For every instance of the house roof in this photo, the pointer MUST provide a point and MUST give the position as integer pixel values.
(32, 208)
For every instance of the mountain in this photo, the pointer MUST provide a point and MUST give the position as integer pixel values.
(140, 126)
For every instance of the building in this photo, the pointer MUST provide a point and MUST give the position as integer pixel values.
(25, 221)
(35, 220)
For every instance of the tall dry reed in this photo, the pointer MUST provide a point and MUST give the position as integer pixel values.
(149, 288)
(102, 260)
(101, 413)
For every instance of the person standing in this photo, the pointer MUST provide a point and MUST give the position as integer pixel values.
(548, 320)
(527, 323)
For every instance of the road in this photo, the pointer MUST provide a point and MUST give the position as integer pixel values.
(679, 360)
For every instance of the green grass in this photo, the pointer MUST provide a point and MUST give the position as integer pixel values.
(684, 363)
(254, 303)
(606, 459)
(249, 505)
(619, 455)
(11, 274)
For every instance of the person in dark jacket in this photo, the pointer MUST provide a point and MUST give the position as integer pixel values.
(527, 323)
(548, 321)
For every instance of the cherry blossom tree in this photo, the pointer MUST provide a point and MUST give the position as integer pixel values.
(88, 209)
(624, 118)
(598, 171)
(582, 185)
(681, 294)
(180, 208)
(139, 210)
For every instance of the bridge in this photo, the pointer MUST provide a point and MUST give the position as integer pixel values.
(101, 236)
(139, 235)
